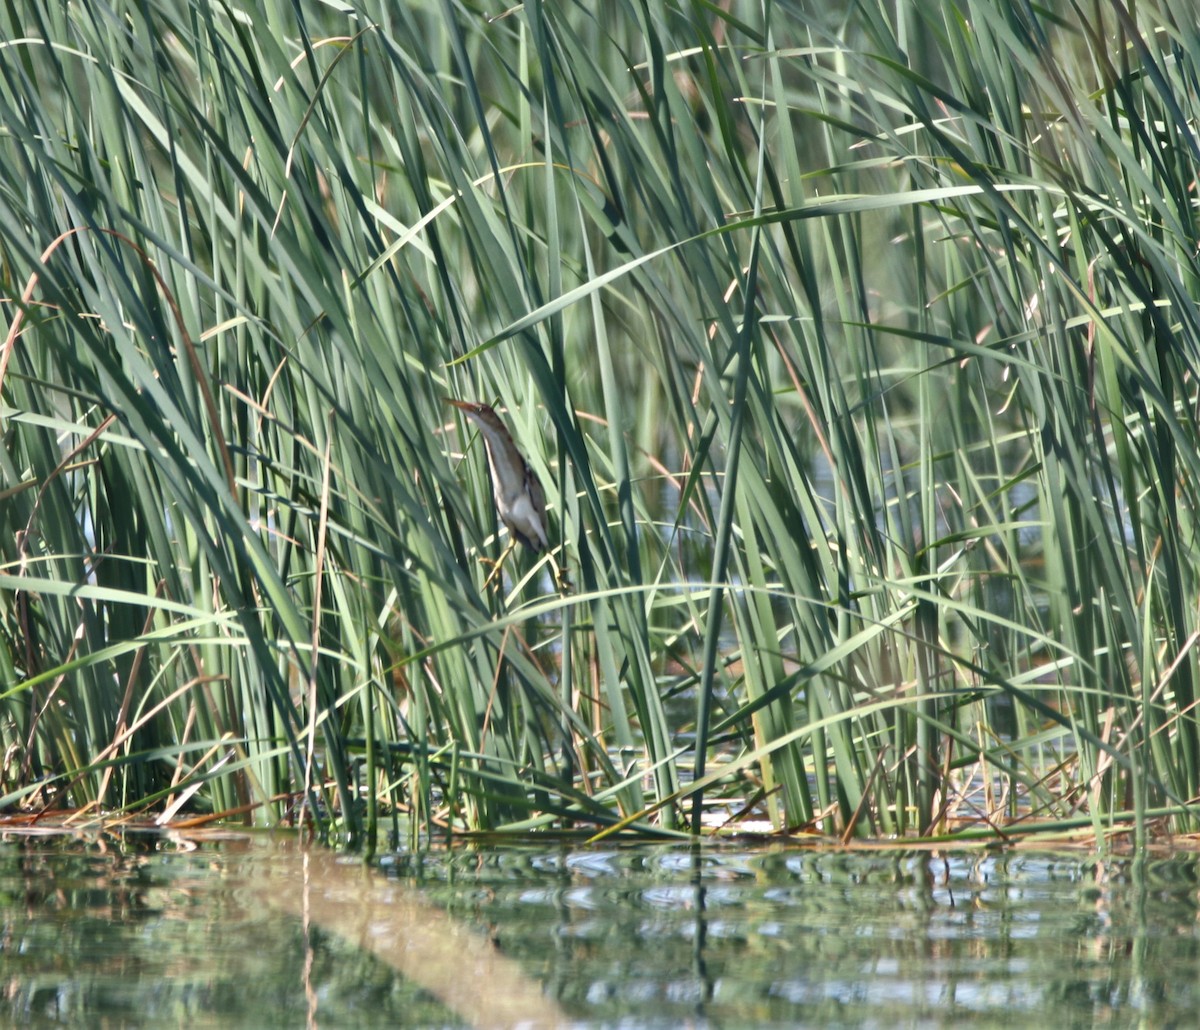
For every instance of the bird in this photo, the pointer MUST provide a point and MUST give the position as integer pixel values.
(516, 489)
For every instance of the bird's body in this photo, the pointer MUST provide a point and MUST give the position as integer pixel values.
(526, 518)
(516, 489)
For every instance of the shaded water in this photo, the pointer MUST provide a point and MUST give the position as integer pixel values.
(247, 932)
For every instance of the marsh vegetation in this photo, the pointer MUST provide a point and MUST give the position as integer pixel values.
(857, 354)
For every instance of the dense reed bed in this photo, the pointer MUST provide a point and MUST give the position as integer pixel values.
(857, 355)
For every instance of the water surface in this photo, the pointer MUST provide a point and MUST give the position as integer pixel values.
(139, 930)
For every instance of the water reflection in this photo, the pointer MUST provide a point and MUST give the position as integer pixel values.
(790, 937)
(136, 931)
(139, 930)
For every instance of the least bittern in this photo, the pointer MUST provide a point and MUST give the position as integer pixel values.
(516, 489)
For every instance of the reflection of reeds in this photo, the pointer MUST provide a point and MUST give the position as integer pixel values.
(859, 377)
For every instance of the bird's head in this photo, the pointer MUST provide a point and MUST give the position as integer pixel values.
(480, 414)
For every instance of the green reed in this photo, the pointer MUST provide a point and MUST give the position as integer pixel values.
(855, 354)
